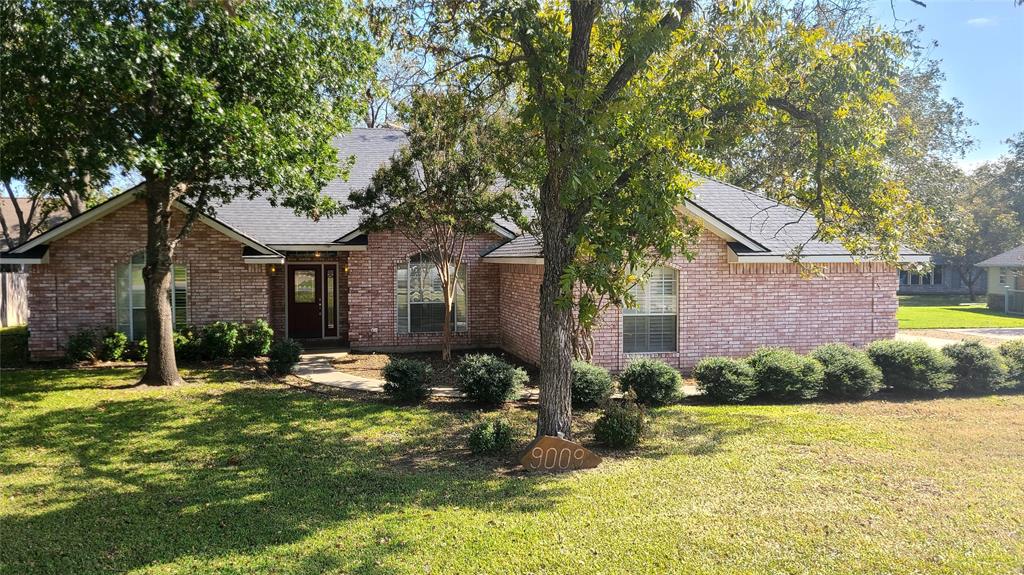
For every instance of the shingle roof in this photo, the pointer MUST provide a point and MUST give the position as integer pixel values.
(279, 225)
(768, 227)
(1008, 259)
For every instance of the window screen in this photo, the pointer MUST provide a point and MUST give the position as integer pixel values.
(651, 326)
(419, 298)
(130, 297)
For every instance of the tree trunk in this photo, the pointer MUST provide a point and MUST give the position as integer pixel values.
(161, 365)
(554, 415)
(446, 329)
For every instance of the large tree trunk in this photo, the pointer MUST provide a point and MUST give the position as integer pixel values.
(554, 415)
(161, 365)
(446, 330)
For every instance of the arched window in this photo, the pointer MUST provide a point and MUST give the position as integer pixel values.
(419, 297)
(652, 325)
(130, 297)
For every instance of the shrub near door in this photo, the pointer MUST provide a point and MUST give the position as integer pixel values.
(912, 366)
(487, 380)
(783, 375)
(653, 381)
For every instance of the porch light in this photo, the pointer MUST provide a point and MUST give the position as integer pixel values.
(346, 269)
(273, 269)
(316, 254)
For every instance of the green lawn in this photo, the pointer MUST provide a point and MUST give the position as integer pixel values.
(226, 475)
(946, 312)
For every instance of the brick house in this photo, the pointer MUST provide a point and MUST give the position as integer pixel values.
(328, 280)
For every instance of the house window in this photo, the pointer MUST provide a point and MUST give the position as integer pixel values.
(651, 326)
(419, 298)
(1004, 275)
(915, 279)
(130, 297)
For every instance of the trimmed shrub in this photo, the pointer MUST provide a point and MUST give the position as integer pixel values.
(487, 380)
(622, 425)
(188, 344)
(254, 339)
(591, 384)
(911, 366)
(82, 346)
(492, 438)
(654, 381)
(113, 345)
(283, 355)
(219, 340)
(849, 372)
(1013, 353)
(136, 350)
(976, 368)
(13, 346)
(725, 380)
(784, 375)
(407, 379)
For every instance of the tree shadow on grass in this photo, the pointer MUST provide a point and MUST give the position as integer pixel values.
(207, 476)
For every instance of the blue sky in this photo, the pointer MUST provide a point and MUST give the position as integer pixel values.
(981, 46)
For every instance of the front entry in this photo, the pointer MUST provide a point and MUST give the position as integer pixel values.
(305, 301)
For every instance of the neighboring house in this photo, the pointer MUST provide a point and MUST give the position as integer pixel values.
(943, 279)
(13, 280)
(1006, 280)
(330, 280)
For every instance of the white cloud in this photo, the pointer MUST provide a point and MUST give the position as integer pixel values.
(981, 22)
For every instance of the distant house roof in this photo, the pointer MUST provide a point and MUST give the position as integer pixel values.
(7, 208)
(1013, 258)
(756, 228)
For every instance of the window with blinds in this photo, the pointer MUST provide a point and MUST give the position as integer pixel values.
(651, 326)
(419, 298)
(130, 297)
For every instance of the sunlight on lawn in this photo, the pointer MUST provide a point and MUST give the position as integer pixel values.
(223, 476)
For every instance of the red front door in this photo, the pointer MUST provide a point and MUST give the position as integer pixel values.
(305, 302)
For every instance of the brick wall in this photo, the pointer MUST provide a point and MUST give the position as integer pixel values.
(732, 309)
(520, 310)
(75, 290)
(371, 293)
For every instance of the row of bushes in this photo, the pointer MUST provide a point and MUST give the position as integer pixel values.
(840, 371)
(218, 341)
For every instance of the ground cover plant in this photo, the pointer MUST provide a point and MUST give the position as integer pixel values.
(232, 475)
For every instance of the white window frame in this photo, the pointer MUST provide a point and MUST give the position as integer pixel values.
(643, 309)
(460, 324)
(137, 261)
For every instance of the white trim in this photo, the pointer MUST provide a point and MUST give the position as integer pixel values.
(256, 260)
(495, 227)
(718, 227)
(735, 258)
(515, 260)
(25, 261)
(316, 248)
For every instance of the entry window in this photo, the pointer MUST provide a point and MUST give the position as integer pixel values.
(651, 326)
(305, 286)
(419, 298)
(329, 287)
(130, 297)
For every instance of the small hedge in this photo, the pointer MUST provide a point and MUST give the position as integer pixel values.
(976, 368)
(137, 350)
(487, 380)
(188, 344)
(254, 339)
(849, 373)
(654, 381)
(591, 384)
(1013, 354)
(912, 366)
(82, 346)
(725, 380)
(622, 425)
(283, 355)
(219, 340)
(784, 375)
(407, 380)
(13, 346)
(492, 438)
(112, 346)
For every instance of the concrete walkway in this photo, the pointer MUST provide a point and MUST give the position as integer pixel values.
(991, 336)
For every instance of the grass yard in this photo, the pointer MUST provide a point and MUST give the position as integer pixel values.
(234, 475)
(950, 312)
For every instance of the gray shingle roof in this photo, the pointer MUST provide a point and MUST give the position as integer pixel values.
(279, 225)
(769, 227)
(1008, 259)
